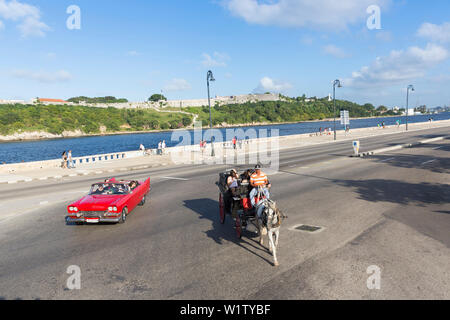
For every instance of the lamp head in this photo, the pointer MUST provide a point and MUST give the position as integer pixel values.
(211, 76)
(338, 83)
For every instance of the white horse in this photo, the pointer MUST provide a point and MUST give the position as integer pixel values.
(269, 220)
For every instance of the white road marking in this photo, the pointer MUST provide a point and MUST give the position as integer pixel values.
(427, 162)
(172, 178)
(43, 203)
(437, 148)
(386, 160)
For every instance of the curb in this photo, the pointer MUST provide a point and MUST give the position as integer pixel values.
(84, 174)
(399, 147)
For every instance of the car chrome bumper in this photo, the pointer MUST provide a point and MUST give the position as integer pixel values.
(100, 220)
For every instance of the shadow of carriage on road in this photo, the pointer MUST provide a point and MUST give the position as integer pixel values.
(221, 233)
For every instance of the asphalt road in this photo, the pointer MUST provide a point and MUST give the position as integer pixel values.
(390, 210)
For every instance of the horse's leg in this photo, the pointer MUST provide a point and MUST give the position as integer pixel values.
(273, 249)
(277, 234)
(271, 241)
(261, 234)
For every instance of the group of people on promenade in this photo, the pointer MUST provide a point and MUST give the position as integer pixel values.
(160, 151)
(324, 131)
(67, 160)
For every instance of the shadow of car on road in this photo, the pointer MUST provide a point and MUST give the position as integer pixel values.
(220, 233)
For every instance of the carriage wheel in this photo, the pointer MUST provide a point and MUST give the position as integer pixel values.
(239, 227)
(222, 209)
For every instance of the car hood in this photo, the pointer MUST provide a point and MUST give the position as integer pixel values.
(98, 203)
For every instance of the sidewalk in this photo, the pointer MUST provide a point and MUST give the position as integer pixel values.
(98, 168)
(140, 163)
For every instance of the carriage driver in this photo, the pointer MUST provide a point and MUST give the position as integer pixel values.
(259, 179)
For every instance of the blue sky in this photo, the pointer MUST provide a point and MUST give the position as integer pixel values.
(135, 48)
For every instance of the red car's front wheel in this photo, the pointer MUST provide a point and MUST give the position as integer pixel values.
(221, 209)
(123, 217)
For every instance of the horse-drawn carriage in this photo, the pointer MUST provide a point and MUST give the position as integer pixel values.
(236, 202)
(265, 215)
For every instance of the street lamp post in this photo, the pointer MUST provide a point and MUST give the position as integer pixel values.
(410, 87)
(339, 85)
(210, 77)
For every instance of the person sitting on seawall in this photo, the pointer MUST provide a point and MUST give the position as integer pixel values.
(259, 180)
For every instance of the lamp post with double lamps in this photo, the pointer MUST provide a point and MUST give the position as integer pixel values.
(210, 78)
(410, 87)
(339, 85)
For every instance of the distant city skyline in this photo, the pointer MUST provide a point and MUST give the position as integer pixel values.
(136, 48)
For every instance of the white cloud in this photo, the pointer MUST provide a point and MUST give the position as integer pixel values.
(307, 40)
(216, 60)
(2, 25)
(133, 53)
(43, 76)
(28, 16)
(267, 84)
(385, 36)
(323, 14)
(177, 85)
(334, 51)
(399, 67)
(436, 33)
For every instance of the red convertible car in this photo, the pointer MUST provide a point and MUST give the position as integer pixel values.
(110, 201)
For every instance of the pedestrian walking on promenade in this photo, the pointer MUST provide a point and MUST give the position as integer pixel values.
(142, 148)
(234, 143)
(160, 148)
(163, 147)
(70, 164)
(64, 160)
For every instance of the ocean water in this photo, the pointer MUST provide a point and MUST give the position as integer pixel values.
(27, 151)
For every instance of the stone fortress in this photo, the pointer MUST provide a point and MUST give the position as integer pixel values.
(159, 105)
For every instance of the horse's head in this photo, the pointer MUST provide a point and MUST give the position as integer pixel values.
(270, 211)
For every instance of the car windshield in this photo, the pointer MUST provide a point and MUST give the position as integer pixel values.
(109, 189)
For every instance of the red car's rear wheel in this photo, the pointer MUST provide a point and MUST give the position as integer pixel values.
(221, 209)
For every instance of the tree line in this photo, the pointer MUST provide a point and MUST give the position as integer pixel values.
(288, 110)
(59, 118)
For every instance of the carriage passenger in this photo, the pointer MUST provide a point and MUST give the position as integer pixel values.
(259, 180)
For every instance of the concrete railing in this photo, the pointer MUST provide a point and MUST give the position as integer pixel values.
(78, 161)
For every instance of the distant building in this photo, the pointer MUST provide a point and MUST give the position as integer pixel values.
(12, 101)
(222, 100)
(411, 112)
(47, 101)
